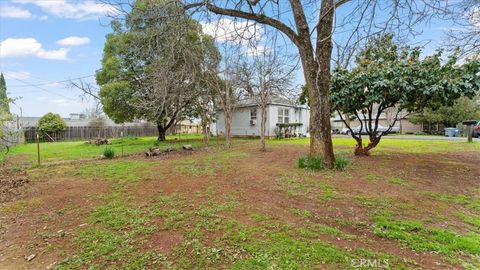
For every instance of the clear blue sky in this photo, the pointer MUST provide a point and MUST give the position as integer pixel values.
(48, 41)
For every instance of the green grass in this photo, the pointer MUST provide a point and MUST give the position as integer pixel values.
(394, 145)
(112, 238)
(301, 212)
(397, 181)
(472, 202)
(117, 171)
(296, 186)
(419, 237)
(311, 163)
(470, 219)
(58, 151)
(210, 165)
(340, 163)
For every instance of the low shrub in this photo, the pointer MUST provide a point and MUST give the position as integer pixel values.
(312, 163)
(109, 153)
(340, 163)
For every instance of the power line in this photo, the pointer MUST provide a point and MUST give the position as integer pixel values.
(48, 91)
(50, 82)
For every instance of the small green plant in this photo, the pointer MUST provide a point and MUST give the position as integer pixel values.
(312, 163)
(340, 163)
(109, 153)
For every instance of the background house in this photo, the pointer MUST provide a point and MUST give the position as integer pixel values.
(247, 116)
(385, 119)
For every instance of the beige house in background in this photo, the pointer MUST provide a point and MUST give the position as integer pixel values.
(385, 119)
(186, 127)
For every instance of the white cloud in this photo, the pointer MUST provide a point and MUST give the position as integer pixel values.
(28, 47)
(66, 9)
(73, 41)
(17, 75)
(227, 30)
(13, 12)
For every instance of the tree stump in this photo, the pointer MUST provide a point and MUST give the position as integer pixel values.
(152, 152)
(187, 147)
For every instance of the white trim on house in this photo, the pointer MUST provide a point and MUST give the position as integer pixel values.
(241, 118)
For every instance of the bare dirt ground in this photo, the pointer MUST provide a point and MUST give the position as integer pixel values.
(42, 211)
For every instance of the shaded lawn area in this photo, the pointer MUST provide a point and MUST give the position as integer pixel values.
(413, 204)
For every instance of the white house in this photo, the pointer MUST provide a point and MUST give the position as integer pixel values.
(247, 116)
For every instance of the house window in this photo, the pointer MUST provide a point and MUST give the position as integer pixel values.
(253, 114)
(283, 116)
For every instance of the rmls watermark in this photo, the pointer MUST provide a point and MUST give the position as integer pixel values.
(369, 263)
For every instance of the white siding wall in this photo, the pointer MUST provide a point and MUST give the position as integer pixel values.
(241, 121)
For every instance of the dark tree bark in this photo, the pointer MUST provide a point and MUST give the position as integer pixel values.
(163, 126)
(317, 77)
(263, 124)
(161, 132)
(205, 131)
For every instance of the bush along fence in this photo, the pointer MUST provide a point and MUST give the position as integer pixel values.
(88, 133)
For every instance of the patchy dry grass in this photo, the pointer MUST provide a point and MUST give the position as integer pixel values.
(246, 209)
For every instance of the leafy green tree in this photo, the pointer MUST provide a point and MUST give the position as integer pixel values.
(303, 97)
(50, 123)
(5, 116)
(390, 76)
(152, 63)
(4, 104)
(463, 109)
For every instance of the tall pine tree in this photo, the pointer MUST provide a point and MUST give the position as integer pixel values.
(4, 107)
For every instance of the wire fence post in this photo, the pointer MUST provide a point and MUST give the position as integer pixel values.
(121, 135)
(38, 149)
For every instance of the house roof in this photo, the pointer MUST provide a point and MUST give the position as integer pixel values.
(275, 100)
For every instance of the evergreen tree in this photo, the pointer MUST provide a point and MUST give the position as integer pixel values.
(4, 107)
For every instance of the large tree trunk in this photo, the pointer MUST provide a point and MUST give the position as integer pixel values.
(205, 131)
(323, 136)
(320, 130)
(263, 124)
(316, 68)
(361, 150)
(228, 128)
(161, 132)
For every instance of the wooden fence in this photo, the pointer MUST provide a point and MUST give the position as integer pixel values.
(88, 133)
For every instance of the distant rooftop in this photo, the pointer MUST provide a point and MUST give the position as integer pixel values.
(275, 100)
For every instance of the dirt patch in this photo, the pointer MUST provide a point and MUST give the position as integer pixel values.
(164, 240)
(44, 221)
(345, 200)
(13, 184)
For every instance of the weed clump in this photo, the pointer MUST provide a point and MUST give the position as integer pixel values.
(108, 153)
(312, 163)
(340, 163)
